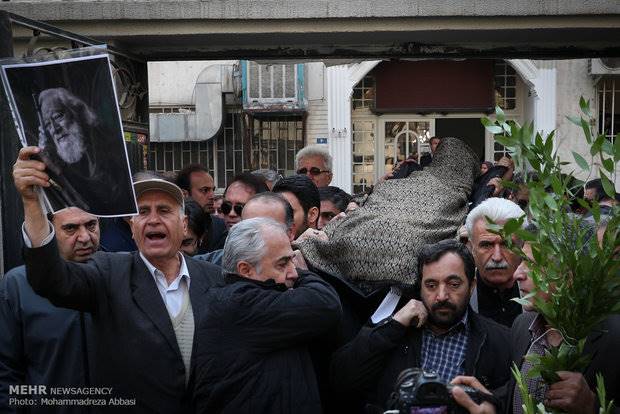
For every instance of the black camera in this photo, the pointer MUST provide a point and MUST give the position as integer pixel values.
(420, 392)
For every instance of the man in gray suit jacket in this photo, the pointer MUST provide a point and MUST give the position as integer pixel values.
(142, 304)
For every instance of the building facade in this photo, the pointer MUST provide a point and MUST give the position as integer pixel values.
(370, 114)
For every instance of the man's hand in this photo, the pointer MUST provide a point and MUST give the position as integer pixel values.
(465, 400)
(571, 394)
(28, 173)
(496, 182)
(299, 261)
(311, 234)
(413, 311)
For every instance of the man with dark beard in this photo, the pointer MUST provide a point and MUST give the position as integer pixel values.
(452, 341)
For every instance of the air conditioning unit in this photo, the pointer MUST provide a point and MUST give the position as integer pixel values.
(605, 66)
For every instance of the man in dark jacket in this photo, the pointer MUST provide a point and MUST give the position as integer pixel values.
(251, 345)
(575, 392)
(142, 303)
(35, 334)
(453, 341)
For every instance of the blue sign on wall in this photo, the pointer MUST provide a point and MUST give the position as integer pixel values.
(321, 140)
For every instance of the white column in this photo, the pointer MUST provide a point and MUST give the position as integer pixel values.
(541, 79)
(339, 90)
(546, 105)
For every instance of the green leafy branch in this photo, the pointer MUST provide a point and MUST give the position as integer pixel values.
(569, 266)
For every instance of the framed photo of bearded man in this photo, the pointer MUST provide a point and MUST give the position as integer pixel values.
(68, 108)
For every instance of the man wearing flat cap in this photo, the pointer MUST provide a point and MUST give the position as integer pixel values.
(142, 303)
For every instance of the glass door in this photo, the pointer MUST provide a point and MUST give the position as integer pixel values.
(404, 139)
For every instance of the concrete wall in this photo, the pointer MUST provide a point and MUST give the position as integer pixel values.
(573, 81)
(287, 9)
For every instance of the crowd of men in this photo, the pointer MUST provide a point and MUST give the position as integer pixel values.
(215, 310)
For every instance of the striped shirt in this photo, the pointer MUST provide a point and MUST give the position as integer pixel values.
(445, 353)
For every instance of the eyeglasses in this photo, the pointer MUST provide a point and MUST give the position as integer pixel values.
(227, 206)
(313, 171)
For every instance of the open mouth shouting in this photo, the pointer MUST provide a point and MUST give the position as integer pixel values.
(156, 238)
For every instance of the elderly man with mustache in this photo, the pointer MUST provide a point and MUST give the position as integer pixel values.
(494, 262)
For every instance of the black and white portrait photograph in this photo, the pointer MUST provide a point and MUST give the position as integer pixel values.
(68, 108)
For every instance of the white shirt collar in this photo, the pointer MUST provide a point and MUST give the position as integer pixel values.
(183, 271)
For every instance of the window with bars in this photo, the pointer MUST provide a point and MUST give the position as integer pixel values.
(275, 141)
(220, 155)
(364, 93)
(505, 85)
(271, 83)
(608, 96)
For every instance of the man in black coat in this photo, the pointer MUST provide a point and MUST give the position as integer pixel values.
(142, 304)
(453, 341)
(35, 333)
(251, 353)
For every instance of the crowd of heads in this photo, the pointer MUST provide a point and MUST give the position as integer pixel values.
(295, 201)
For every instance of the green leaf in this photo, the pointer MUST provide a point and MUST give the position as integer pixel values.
(586, 130)
(608, 186)
(556, 184)
(574, 120)
(581, 161)
(505, 141)
(607, 147)
(585, 106)
(490, 126)
(525, 235)
(597, 145)
(549, 200)
(609, 165)
(486, 122)
(499, 115)
(549, 143)
(511, 225)
(617, 148)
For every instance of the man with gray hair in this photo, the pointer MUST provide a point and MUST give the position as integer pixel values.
(251, 352)
(271, 205)
(315, 162)
(495, 263)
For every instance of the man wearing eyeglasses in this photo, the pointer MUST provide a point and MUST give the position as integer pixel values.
(315, 162)
(243, 187)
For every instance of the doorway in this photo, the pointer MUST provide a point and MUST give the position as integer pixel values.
(469, 130)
